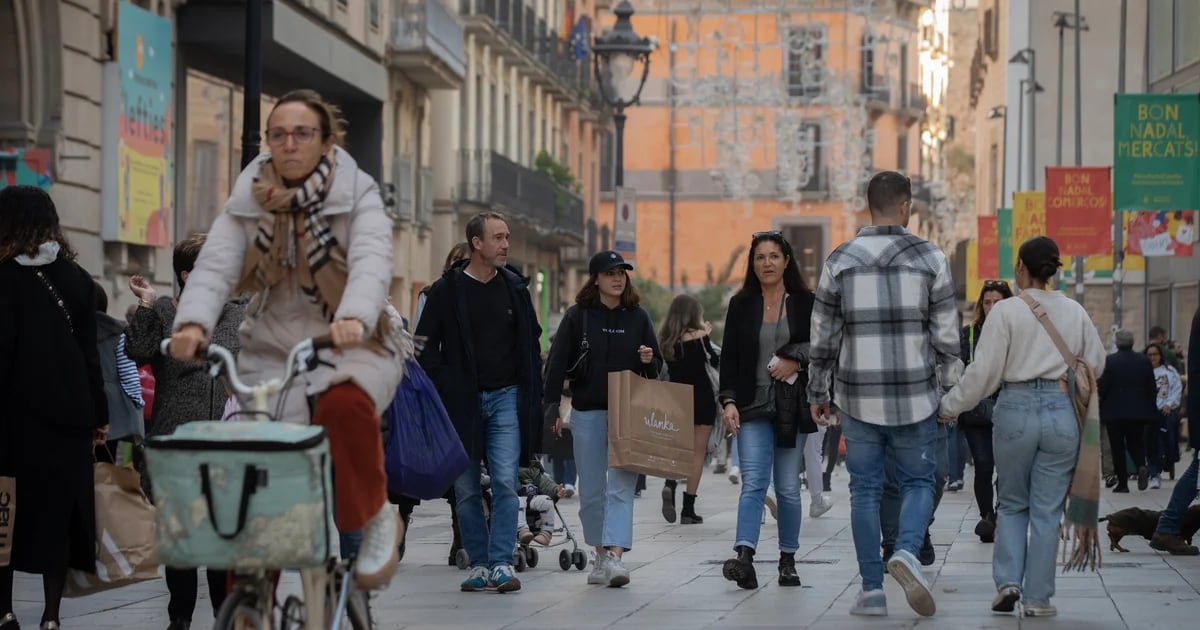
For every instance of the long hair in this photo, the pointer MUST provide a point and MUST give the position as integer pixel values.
(460, 251)
(793, 282)
(684, 314)
(28, 218)
(589, 295)
(999, 286)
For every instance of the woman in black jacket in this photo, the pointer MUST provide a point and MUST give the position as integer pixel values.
(53, 391)
(609, 332)
(766, 346)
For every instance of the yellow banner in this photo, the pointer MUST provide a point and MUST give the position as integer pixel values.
(974, 282)
(1029, 216)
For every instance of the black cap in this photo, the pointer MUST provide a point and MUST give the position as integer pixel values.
(607, 261)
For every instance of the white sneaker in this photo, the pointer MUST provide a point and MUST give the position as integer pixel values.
(1006, 599)
(903, 567)
(1039, 610)
(379, 553)
(735, 475)
(569, 490)
(614, 571)
(871, 603)
(598, 574)
(818, 508)
(1155, 482)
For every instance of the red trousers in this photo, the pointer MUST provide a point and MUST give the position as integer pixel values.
(360, 484)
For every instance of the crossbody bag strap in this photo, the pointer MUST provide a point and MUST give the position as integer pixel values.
(1044, 318)
(62, 306)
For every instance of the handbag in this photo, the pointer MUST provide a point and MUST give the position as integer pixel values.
(125, 534)
(423, 455)
(789, 403)
(579, 370)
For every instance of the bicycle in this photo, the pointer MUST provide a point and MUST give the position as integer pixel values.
(328, 593)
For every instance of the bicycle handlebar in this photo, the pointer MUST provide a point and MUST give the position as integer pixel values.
(303, 354)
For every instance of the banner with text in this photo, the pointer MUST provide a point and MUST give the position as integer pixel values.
(1006, 255)
(1029, 217)
(1156, 151)
(974, 279)
(1153, 234)
(988, 249)
(1079, 209)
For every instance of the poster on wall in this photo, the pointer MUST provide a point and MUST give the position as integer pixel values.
(1168, 233)
(1156, 151)
(25, 167)
(140, 211)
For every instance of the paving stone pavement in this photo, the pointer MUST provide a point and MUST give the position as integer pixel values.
(677, 583)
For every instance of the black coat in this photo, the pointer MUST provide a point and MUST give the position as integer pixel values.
(614, 336)
(1193, 393)
(739, 353)
(1127, 388)
(449, 361)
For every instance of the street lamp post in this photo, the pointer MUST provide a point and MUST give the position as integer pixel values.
(615, 55)
(1029, 56)
(1001, 111)
(1027, 86)
(1063, 21)
(252, 82)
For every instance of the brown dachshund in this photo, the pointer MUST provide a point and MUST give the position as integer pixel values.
(1139, 522)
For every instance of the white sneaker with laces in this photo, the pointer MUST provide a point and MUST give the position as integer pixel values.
(379, 553)
(818, 508)
(598, 574)
(614, 571)
(903, 567)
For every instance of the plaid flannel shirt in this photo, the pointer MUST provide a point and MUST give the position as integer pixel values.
(885, 327)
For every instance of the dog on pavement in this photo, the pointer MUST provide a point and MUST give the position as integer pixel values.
(1139, 522)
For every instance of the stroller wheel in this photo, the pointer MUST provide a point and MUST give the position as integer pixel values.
(519, 560)
(461, 559)
(564, 560)
(531, 557)
(580, 559)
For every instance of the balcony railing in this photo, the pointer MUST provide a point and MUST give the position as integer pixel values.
(876, 88)
(491, 179)
(914, 99)
(427, 41)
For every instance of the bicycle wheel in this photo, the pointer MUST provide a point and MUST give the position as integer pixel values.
(239, 612)
(358, 609)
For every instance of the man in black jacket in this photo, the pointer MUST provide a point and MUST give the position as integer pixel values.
(1167, 537)
(484, 357)
(1127, 393)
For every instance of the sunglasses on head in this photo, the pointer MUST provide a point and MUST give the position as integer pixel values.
(768, 234)
(995, 284)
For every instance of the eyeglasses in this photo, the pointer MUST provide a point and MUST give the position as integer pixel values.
(769, 234)
(277, 136)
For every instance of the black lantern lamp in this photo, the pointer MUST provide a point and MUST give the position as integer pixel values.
(616, 54)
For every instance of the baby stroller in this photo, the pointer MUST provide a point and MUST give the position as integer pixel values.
(527, 556)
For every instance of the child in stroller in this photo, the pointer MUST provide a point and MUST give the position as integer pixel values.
(537, 494)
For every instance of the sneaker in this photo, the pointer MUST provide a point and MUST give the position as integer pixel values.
(1006, 599)
(380, 550)
(1039, 610)
(524, 535)
(904, 569)
(871, 603)
(735, 475)
(502, 580)
(719, 469)
(772, 506)
(954, 486)
(1155, 482)
(569, 491)
(1110, 481)
(542, 538)
(477, 580)
(599, 575)
(817, 508)
(615, 573)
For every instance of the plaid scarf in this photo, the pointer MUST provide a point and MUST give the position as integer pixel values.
(293, 217)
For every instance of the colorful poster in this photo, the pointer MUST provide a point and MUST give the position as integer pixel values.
(1079, 209)
(25, 167)
(144, 127)
(974, 279)
(1156, 151)
(1161, 233)
(988, 248)
(1004, 243)
(1029, 216)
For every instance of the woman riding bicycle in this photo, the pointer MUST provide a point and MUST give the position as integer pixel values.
(305, 230)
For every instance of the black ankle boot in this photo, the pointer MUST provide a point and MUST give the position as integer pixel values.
(668, 501)
(787, 569)
(741, 568)
(827, 482)
(986, 528)
(689, 516)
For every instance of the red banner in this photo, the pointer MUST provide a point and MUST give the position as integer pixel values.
(989, 249)
(1079, 209)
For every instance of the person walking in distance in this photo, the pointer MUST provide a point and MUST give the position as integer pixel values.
(886, 320)
(1127, 391)
(1038, 445)
(483, 355)
(1167, 537)
(605, 331)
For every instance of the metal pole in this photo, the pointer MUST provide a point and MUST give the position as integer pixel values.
(1004, 164)
(1033, 88)
(1020, 130)
(1079, 260)
(619, 171)
(252, 82)
(1059, 133)
(671, 155)
(1118, 228)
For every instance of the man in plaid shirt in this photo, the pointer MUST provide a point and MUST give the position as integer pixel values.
(885, 327)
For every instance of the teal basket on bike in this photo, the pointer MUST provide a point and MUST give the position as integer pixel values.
(242, 495)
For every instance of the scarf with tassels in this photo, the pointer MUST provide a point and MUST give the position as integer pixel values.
(293, 218)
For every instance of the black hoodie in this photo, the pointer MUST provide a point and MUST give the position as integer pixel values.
(614, 336)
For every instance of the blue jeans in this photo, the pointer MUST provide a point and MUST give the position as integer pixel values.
(956, 446)
(889, 503)
(734, 461)
(564, 470)
(760, 458)
(1036, 439)
(1181, 497)
(912, 447)
(605, 494)
(492, 547)
(349, 543)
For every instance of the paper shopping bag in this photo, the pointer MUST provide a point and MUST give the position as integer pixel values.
(125, 552)
(8, 515)
(650, 426)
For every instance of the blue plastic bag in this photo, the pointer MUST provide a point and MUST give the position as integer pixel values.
(423, 455)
